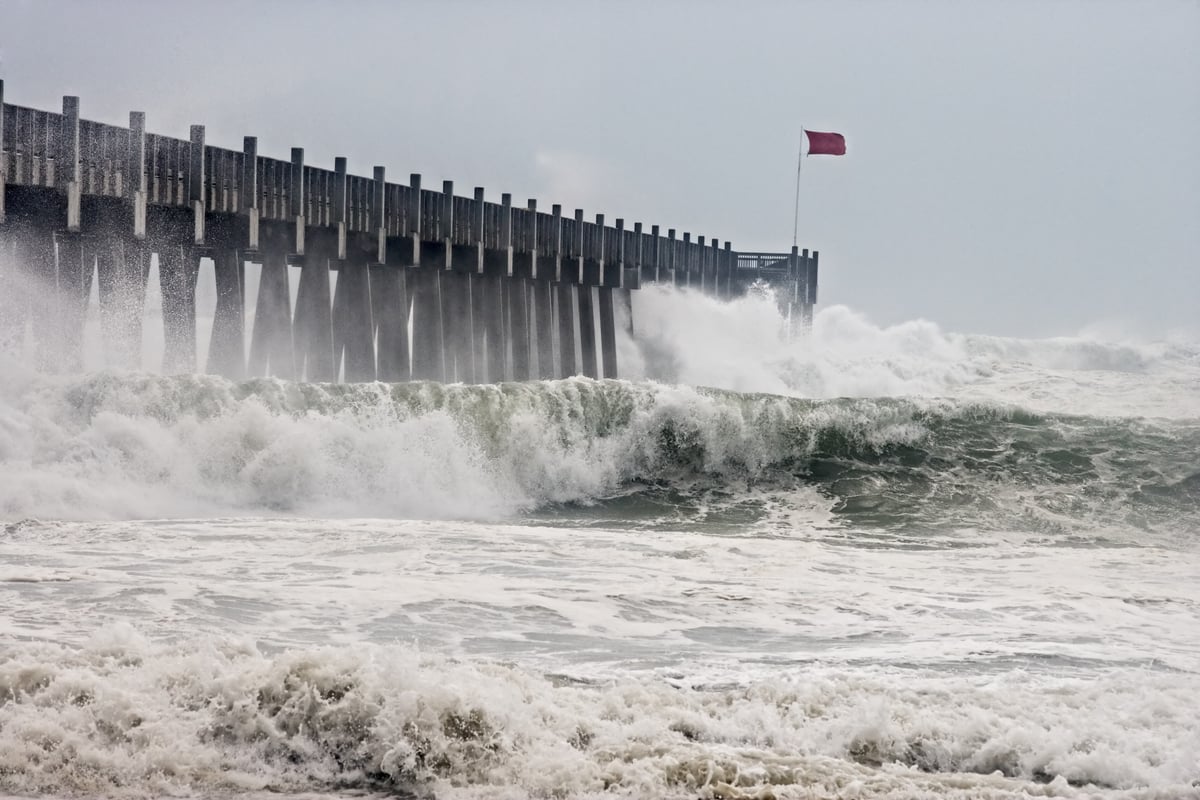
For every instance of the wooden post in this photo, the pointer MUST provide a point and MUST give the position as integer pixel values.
(427, 356)
(250, 190)
(656, 254)
(313, 323)
(338, 211)
(197, 196)
(67, 171)
(489, 306)
(727, 266)
(639, 254)
(565, 299)
(462, 332)
(295, 212)
(519, 289)
(66, 340)
(353, 331)
(542, 301)
(389, 296)
(711, 280)
(685, 262)
(672, 258)
(587, 314)
(135, 173)
(614, 266)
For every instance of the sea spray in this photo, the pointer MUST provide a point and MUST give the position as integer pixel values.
(689, 338)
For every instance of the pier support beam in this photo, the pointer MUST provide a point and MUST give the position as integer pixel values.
(427, 349)
(519, 291)
(121, 266)
(313, 321)
(608, 332)
(227, 348)
(565, 311)
(178, 267)
(587, 332)
(36, 267)
(459, 325)
(389, 312)
(76, 265)
(543, 320)
(272, 350)
(490, 311)
(353, 326)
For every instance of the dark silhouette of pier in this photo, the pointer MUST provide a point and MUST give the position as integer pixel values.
(430, 285)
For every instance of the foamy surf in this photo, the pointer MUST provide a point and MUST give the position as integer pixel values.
(119, 716)
(874, 562)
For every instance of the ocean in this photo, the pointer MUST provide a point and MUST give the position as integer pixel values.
(866, 562)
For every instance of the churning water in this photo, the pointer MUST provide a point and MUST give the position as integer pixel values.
(870, 563)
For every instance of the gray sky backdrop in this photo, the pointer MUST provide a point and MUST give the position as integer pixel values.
(1014, 167)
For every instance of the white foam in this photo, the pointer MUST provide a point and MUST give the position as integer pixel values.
(123, 716)
(696, 340)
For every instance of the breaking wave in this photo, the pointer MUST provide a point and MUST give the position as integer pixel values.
(120, 716)
(136, 446)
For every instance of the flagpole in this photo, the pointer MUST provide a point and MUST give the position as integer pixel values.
(796, 215)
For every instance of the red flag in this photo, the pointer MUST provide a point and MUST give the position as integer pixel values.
(825, 144)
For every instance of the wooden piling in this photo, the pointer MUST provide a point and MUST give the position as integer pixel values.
(429, 257)
(464, 337)
(613, 265)
(428, 364)
(354, 328)
(227, 349)
(272, 351)
(178, 266)
(541, 303)
(489, 300)
(352, 315)
(672, 259)
(312, 324)
(564, 299)
(589, 276)
(389, 295)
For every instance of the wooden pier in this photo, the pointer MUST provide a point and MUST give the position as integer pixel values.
(429, 285)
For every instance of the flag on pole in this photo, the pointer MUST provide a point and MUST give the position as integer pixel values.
(825, 144)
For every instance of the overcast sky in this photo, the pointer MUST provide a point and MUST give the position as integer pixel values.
(1013, 167)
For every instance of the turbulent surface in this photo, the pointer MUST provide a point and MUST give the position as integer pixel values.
(874, 563)
(112, 446)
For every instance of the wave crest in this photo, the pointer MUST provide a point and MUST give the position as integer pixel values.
(114, 446)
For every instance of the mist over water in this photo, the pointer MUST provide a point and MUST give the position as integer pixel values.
(863, 562)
